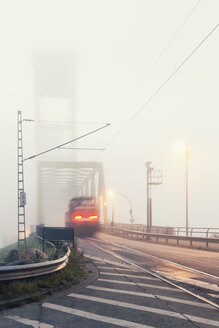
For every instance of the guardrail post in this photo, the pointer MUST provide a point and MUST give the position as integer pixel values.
(178, 235)
(207, 237)
(207, 232)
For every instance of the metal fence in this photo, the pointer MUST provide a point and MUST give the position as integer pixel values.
(200, 236)
(177, 231)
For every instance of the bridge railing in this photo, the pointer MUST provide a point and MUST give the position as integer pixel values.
(179, 231)
(198, 235)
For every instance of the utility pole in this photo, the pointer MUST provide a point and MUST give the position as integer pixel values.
(155, 179)
(21, 193)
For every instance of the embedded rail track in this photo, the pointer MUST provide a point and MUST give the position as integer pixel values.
(199, 293)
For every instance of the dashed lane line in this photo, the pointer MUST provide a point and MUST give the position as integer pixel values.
(165, 298)
(139, 284)
(97, 317)
(128, 275)
(28, 322)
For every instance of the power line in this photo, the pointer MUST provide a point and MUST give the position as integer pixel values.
(63, 122)
(162, 86)
(155, 62)
(74, 148)
(66, 143)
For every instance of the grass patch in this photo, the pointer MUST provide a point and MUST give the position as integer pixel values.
(20, 288)
(4, 251)
(33, 242)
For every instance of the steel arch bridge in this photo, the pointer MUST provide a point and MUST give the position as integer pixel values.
(70, 179)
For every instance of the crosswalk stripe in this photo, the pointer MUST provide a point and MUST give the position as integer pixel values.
(119, 291)
(165, 298)
(139, 284)
(204, 321)
(146, 308)
(128, 275)
(28, 322)
(116, 268)
(214, 295)
(127, 305)
(97, 317)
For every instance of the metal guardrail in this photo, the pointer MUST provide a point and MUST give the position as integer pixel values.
(33, 270)
(181, 231)
(147, 235)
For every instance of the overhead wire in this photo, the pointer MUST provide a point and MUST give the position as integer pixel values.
(153, 65)
(161, 86)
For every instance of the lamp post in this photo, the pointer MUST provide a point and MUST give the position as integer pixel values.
(130, 204)
(183, 147)
(187, 191)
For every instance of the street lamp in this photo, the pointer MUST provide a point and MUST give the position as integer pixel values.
(187, 192)
(111, 193)
(184, 147)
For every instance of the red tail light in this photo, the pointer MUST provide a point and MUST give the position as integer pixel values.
(93, 217)
(78, 217)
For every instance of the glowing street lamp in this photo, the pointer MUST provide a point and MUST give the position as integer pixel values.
(112, 193)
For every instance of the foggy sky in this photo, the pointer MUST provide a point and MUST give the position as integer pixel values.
(116, 46)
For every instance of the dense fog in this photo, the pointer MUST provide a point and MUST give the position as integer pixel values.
(73, 66)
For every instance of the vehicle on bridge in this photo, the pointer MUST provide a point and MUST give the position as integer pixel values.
(83, 215)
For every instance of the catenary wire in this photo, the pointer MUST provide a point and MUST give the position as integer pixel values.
(161, 86)
(153, 65)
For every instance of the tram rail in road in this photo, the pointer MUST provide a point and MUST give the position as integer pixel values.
(122, 294)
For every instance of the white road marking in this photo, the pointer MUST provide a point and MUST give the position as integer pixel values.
(214, 295)
(204, 321)
(33, 323)
(117, 268)
(127, 305)
(139, 284)
(97, 317)
(120, 291)
(202, 284)
(146, 308)
(129, 275)
(106, 261)
(165, 298)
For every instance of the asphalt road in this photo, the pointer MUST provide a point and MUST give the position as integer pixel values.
(201, 260)
(118, 294)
